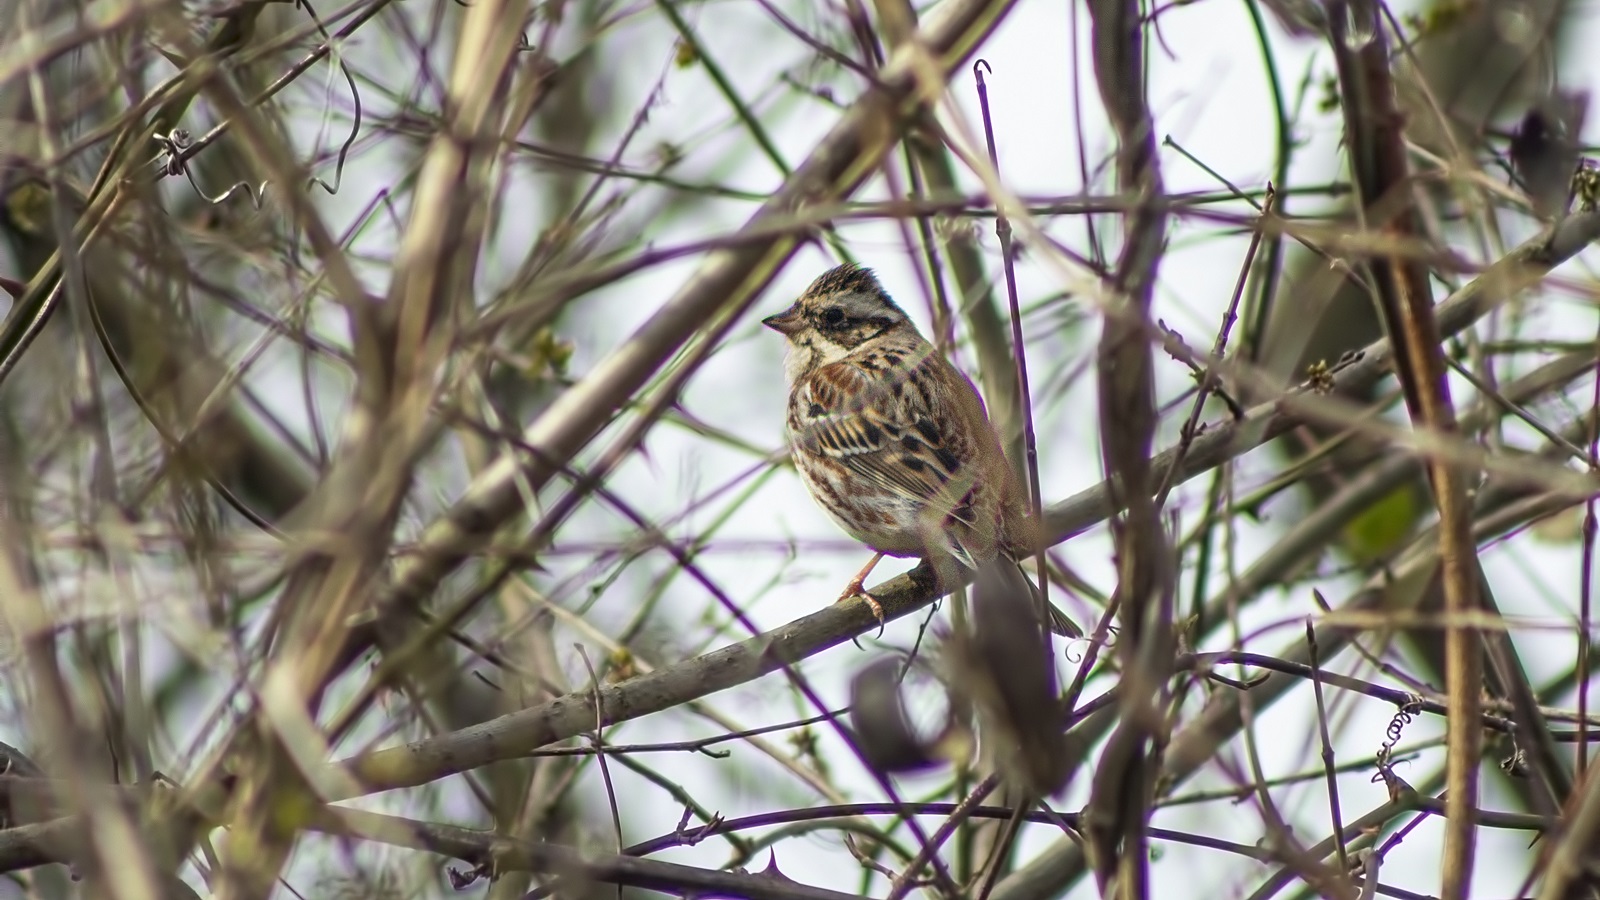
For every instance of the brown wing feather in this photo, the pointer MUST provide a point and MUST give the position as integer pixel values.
(900, 430)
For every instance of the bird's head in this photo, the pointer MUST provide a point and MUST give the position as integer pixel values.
(842, 310)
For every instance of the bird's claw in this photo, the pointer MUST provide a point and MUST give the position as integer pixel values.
(857, 589)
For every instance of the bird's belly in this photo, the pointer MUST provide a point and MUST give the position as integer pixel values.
(883, 521)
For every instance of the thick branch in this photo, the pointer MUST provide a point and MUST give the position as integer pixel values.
(1124, 782)
(512, 735)
(1375, 135)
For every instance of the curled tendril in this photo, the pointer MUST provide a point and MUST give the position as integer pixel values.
(1402, 717)
(173, 162)
(176, 144)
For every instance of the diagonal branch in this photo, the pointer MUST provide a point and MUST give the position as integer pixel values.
(727, 282)
(398, 350)
(1572, 857)
(1502, 508)
(511, 736)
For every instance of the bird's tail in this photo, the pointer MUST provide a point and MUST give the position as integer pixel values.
(1058, 621)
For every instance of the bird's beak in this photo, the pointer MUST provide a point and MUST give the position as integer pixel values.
(787, 322)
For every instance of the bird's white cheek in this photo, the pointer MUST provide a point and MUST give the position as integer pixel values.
(825, 352)
(797, 361)
(803, 357)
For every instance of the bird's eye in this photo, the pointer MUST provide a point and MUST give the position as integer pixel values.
(833, 315)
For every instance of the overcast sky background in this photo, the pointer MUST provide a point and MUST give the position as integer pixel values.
(781, 558)
(1208, 94)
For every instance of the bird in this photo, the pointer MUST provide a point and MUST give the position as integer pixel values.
(892, 440)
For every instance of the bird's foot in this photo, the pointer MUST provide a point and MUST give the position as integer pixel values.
(857, 589)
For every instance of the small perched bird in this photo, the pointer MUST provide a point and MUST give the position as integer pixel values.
(892, 440)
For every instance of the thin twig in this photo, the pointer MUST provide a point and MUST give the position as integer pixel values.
(1328, 762)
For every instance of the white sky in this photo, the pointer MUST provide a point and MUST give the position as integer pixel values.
(1209, 95)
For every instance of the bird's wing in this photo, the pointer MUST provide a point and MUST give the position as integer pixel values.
(890, 426)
